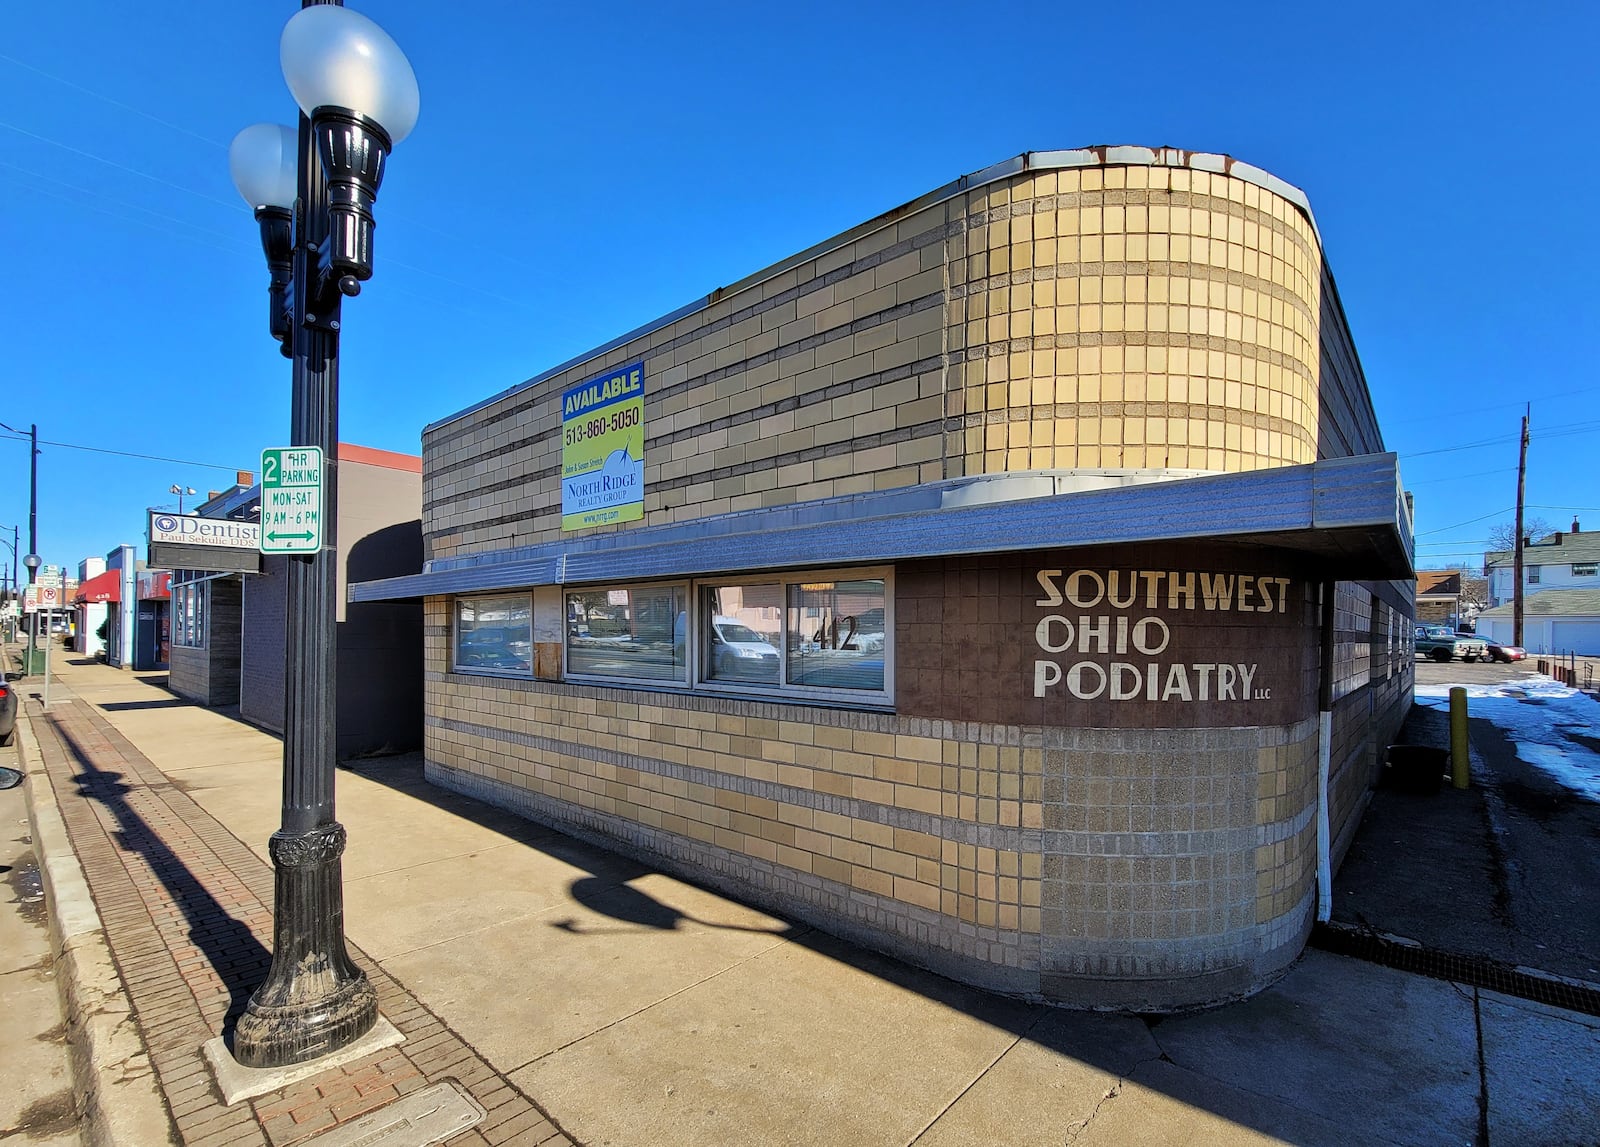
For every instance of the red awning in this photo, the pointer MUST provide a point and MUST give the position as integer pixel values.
(101, 587)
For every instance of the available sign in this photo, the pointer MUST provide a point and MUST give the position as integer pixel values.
(193, 530)
(602, 450)
(291, 500)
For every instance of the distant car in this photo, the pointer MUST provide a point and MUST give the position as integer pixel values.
(1440, 643)
(1508, 653)
(8, 713)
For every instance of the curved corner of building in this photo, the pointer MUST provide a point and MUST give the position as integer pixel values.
(1084, 437)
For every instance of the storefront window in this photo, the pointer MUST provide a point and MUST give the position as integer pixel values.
(189, 614)
(835, 634)
(633, 632)
(819, 635)
(495, 634)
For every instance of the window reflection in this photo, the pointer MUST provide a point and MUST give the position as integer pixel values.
(495, 633)
(637, 632)
(743, 631)
(835, 633)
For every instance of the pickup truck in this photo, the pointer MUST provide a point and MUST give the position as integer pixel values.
(1440, 643)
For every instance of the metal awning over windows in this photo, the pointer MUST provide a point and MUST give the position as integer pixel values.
(1348, 513)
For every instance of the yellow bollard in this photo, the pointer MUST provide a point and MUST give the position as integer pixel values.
(1460, 755)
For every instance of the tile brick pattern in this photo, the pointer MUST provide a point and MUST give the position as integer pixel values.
(1024, 858)
(1124, 317)
(187, 912)
(1104, 317)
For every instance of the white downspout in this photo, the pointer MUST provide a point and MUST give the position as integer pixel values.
(1324, 846)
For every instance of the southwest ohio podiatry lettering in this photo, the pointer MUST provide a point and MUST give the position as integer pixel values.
(602, 450)
(1134, 612)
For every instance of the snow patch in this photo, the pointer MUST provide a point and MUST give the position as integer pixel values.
(1536, 714)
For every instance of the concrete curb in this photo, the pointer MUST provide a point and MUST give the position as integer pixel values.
(118, 1098)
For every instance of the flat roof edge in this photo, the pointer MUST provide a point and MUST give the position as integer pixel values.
(1124, 155)
(1349, 508)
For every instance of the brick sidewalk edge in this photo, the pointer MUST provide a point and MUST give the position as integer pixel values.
(115, 1089)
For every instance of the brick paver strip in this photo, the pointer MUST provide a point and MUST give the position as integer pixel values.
(187, 912)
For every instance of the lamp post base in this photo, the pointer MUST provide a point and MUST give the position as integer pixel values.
(314, 1000)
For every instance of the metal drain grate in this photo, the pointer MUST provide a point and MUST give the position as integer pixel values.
(422, 1118)
(1479, 971)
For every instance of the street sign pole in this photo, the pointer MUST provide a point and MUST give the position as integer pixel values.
(49, 636)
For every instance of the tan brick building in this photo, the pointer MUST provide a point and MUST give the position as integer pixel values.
(995, 564)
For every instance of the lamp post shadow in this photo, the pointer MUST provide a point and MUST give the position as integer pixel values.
(628, 904)
(236, 956)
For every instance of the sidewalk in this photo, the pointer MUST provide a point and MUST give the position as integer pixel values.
(582, 997)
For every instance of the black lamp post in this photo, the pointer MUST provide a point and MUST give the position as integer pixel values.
(313, 191)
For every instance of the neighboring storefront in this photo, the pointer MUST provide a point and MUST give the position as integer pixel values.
(1016, 583)
(138, 621)
(211, 552)
(91, 622)
(229, 604)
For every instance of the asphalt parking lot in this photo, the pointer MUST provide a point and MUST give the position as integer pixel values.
(1459, 672)
(1504, 870)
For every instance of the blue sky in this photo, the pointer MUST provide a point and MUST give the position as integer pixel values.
(581, 169)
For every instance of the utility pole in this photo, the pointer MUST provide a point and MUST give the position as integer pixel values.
(32, 560)
(1516, 561)
(33, 496)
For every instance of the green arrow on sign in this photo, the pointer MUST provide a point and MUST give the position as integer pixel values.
(291, 488)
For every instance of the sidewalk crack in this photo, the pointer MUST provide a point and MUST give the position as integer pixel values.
(1005, 1051)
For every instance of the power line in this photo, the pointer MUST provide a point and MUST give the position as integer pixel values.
(457, 239)
(1468, 522)
(1498, 405)
(235, 205)
(1461, 477)
(127, 454)
(112, 102)
(122, 203)
(1566, 432)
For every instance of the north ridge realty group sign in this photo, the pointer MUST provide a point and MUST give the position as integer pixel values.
(602, 450)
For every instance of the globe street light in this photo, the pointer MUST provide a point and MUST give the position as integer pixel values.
(313, 193)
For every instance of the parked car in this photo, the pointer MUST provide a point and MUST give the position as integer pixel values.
(739, 651)
(1440, 643)
(1507, 653)
(8, 712)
